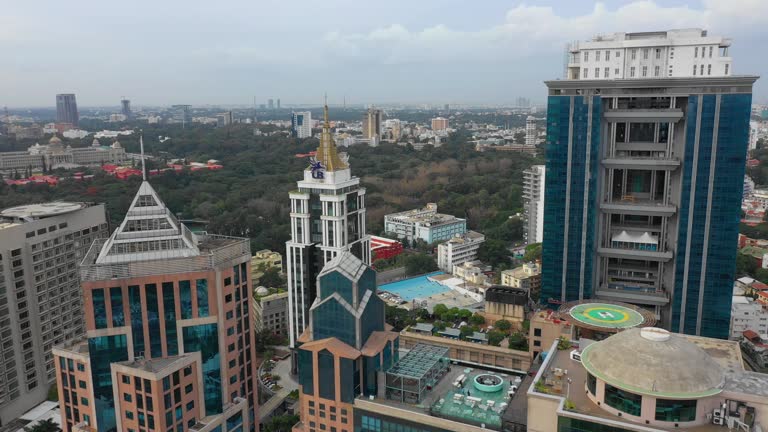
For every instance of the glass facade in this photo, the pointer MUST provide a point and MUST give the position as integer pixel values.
(366, 421)
(137, 320)
(153, 319)
(592, 384)
(104, 351)
(169, 313)
(326, 375)
(675, 410)
(185, 299)
(372, 318)
(205, 338)
(566, 424)
(306, 378)
(623, 401)
(99, 308)
(331, 319)
(335, 282)
(116, 302)
(711, 223)
(571, 185)
(201, 286)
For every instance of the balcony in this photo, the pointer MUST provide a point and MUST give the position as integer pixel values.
(630, 204)
(632, 294)
(643, 115)
(644, 163)
(657, 256)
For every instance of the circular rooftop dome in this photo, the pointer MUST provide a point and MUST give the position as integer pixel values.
(54, 140)
(35, 211)
(262, 291)
(652, 361)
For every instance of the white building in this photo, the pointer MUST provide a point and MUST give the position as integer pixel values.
(533, 197)
(747, 314)
(458, 250)
(672, 53)
(327, 218)
(749, 186)
(531, 136)
(471, 272)
(301, 124)
(75, 133)
(425, 224)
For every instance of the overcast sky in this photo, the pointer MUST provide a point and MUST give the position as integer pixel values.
(165, 52)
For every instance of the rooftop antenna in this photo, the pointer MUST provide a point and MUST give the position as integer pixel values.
(143, 165)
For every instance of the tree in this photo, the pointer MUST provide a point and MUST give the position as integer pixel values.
(477, 319)
(46, 425)
(518, 341)
(465, 314)
(439, 309)
(495, 337)
(745, 264)
(493, 252)
(438, 325)
(281, 423)
(502, 325)
(761, 274)
(272, 278)
(419, 263)
(532, 252)
(465, 331)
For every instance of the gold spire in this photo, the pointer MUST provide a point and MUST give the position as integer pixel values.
(327, 153)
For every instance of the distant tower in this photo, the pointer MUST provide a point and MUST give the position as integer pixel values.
(278, 103)
(126, 107)
(372, 123)
(301, 124)
(271, 103)
(66, 109)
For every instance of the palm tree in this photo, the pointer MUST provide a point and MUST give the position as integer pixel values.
(46, 425)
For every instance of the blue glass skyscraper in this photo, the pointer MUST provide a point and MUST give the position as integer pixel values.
(643, 189)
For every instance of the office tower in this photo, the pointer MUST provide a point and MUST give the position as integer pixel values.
(345, 346)
(169, 343)
(40, 302)
(644, 184)
(531, 135)
(278, 103)
(327, 218)
(271, 103)
(372, 124)
(66, 109)
(439, 123)
(301, 124)
(224, 119)
(181, 114)
(125, 106)
(446, 107)
(533, 202)
(681, 53)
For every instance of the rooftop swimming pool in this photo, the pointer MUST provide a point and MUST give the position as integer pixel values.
(415, 288)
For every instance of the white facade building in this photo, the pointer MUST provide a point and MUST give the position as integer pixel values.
(533, 197)
(425, 224)
(531, 135)
(327, 218)
(747, 314)
(301, 124)
(664, 54)
(458, 250)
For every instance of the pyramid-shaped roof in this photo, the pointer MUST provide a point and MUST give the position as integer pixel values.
(148, 232)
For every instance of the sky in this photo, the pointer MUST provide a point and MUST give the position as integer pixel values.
(165, 52)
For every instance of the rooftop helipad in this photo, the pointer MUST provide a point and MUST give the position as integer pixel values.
(606, 316)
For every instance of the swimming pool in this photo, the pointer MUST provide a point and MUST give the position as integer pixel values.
(415, 288)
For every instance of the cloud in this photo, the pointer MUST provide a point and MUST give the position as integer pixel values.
(531, 29)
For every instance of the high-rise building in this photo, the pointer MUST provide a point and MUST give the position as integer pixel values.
(439, 123)
(181, 114)
(345, 347)
(278, 103)
(224, 119)
(644, 184)
(301, 124)
(681, 53)
(531, 134)
(66, 109)
(533, 200)
(372, 124)
(271, 103)
(459, 249)
(169, 342)
(40, 305)
(327, 218)
(125, 108)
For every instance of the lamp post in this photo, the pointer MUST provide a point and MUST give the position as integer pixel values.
(568, 389)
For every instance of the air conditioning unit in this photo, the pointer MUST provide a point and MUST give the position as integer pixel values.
(718, 421)
(719, 413)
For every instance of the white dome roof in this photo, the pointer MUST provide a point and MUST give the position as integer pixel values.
(262, 291)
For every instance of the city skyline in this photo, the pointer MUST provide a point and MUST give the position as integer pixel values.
(501, 46)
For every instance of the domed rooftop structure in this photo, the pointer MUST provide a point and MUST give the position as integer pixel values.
(262, 291)
(54, 140)
(652, 361)
(116, 145)
(95, 143)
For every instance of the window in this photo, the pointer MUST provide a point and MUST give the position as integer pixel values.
(586, 55)
(537, 343)
(166, 383)
(701, 70)
(607, 72)
(592, 384)
(658, 53)
(645, 53)
(618, 54)
(537, 332)
(188, 389)
(188, 371)
(127, 397)
(190, 405)
(597, 72)
(597, 55)
(710, 52)
(656, 71)
(726, 68)
(586, 73)
(623, 401)
(607, 55)
(709, 69)
(632, 72)
(616, 71)
(675, 410)
(696, 52)
(645, 71)
(126, 379)
(129, 415)
(694, 70)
